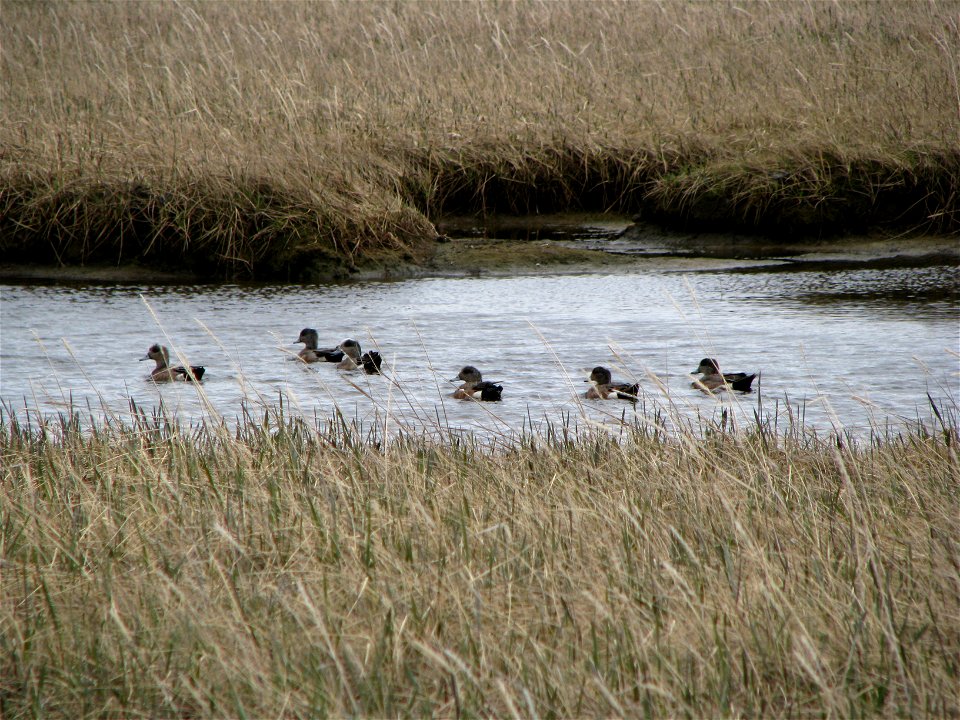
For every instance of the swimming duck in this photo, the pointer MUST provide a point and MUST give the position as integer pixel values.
(310, 353)
(352, 358)
(164, 373)
(475, 387)
(351, 355)
(603, 387)
(711, 378)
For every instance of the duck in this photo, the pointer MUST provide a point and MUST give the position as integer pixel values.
(351, 359)
(603, 387)
(164, 373)
(475, 387)
(713, 380)
(310, 353)
(354, 359)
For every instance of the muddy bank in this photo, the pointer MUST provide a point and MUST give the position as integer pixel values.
(908, 249)
(560, 244)
(459, 257)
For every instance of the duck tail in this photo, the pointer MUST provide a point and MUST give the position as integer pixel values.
(491, 393)
(371, 362)
(629, 392)
(192, 374)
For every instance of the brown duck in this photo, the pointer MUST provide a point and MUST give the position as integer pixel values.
(603, 387)
(164, 373)
(712, 380)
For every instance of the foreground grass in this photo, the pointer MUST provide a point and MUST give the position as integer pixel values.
(290, 139)
(277, 570)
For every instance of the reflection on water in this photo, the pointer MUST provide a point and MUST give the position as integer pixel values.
(929, 291)
(849, 346)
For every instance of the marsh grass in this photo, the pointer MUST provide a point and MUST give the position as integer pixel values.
(283, 567)
(266, 139)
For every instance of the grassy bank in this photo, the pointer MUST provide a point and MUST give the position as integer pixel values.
(276, 570)
(289, 140)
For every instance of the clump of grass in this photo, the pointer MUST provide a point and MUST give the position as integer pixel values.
(817, 189)
(212, 226)
(256, 140)
(285, 568)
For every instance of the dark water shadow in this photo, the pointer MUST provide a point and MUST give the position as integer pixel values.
(904, 291)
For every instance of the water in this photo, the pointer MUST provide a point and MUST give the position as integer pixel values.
(845, 347)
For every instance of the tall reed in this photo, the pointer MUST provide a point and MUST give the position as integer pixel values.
(284, 569)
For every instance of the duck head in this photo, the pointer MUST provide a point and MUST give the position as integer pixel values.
(157, 353)
(600, 376)
(309, 337)
(707, 366)
(351, 348)
(469, 374)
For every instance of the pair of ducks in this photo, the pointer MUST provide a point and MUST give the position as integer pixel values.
(347, 354)
(711, 380)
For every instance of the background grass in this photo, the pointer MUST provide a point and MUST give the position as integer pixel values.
(277, 570)
(277, 139)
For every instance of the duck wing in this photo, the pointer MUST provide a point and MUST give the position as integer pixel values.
(329, 355)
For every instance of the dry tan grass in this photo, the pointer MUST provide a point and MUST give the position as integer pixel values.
(245, 131)
(264, 82)
(281, 572)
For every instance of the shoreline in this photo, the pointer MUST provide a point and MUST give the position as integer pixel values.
(634, 248)
(237, 227)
